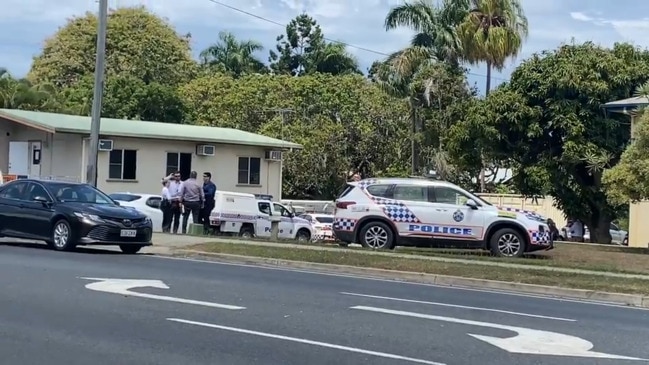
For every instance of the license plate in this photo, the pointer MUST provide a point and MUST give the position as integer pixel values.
(128, 233)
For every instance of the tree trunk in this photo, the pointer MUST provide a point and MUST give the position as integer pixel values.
(483, 183)
(414, 147)
(599, 228)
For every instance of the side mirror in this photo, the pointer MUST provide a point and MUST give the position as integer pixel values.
(471, 204)
(41, 199)
(116, 203)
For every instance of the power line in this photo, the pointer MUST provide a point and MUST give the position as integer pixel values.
(239, 10)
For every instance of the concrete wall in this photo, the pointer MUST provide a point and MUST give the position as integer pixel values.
(638, 227)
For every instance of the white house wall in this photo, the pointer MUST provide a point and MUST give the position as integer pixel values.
(152, 160)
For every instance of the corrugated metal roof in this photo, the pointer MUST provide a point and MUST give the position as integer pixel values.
(635, 101)
(64, 123)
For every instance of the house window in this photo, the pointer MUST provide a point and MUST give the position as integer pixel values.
(122, 164)
(179, 162)
(249, 171)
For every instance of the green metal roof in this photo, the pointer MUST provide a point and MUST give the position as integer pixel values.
(63, 123)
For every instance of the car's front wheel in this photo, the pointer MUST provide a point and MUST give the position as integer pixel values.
(507, 242)
(130, 249)
(303, 236)
(62, 238)
(377, 235)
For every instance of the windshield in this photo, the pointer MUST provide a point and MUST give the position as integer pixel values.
(482, 201)
(324, 219)
(78, 193)
(124, 197)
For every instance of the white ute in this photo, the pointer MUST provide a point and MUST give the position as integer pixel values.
(244, 215)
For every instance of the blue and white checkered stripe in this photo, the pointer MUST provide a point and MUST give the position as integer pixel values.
(344, 224)
(540, 238)
(365, 183)
(395, 210)
(508, 209)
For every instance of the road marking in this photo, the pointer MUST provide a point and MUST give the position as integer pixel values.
(527, 340)
(397, 281)
(308, 342)
(459, 306)
(123, 286)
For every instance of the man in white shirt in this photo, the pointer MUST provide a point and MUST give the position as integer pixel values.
(175, 192)
(577, 231)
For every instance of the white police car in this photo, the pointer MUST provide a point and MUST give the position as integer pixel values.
(385, 212)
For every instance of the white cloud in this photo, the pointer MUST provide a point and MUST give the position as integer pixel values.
(577, 15)
(24, 24)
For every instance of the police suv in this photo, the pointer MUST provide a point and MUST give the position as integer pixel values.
(385, 212)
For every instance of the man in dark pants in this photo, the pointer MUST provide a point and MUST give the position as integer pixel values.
(191, 193)
(209, 190)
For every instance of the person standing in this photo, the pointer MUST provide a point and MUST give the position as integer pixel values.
(192, 198)
(176, 204)
(165, 207)
(209, 190)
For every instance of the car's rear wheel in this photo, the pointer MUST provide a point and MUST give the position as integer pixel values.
(130, 249)
(377, 235)
(246, 232)
(507, 242)
(62, 238)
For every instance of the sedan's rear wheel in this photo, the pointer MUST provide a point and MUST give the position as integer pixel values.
(62, 237)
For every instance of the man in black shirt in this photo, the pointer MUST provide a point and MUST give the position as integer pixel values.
(209, 189)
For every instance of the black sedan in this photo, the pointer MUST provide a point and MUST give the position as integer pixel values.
(68, 214)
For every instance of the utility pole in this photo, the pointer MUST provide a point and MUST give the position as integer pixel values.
(100, 61)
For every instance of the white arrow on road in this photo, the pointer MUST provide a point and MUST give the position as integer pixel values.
(527, 340)
(124, 286)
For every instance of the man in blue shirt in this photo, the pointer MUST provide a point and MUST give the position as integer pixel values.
(209, 189)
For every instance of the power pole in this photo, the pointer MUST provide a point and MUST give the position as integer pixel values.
(100, 61)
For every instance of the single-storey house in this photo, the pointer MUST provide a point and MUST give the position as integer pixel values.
(135, 155)
(638, 228)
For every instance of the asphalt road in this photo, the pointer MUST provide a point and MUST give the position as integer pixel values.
(48, 316)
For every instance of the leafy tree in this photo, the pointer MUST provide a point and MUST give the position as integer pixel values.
(21, 94)
(138, 44)
(233, 56)
(126, 97)
(548, 124)
(629, 179)
(303, 50)
(344, 123)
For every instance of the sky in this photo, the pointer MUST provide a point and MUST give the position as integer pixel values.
(25, 24)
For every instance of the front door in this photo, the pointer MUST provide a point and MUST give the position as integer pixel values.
(413, 214)
(459, 224)
(286, 226)
(35, 213)
(19, 158)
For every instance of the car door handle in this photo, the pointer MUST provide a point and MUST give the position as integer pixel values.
(21, 205)
(441, 210)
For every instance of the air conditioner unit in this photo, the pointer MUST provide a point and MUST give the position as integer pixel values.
(273, 155)
(106, 145)
(205, 150)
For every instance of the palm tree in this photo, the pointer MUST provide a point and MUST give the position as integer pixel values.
(492, 32)
(233, 56)
(435, 26)
(21, 94)
(334, 59)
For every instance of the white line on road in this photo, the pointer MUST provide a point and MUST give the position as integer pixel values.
(526, 341)
(308, 342)
(124, 286)
(459, 306)
(397, 281)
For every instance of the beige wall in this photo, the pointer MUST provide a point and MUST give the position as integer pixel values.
(542, 206)
(152, 161)
(638, 227)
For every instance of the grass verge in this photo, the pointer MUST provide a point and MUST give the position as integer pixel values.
(573, 256)
(359, 259)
